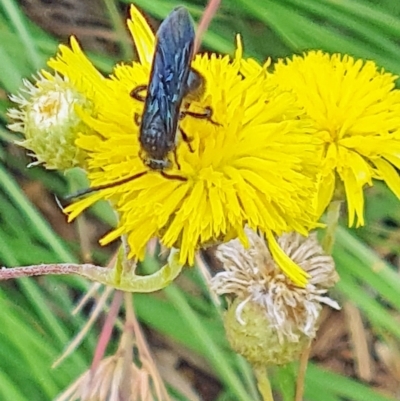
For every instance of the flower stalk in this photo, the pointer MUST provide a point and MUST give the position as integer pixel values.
(270, 321)
(332, 221)
(263, 383)
(115, 277)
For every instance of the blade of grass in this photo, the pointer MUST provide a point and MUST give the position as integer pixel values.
(383, 19)
(349, 22)
(375, 312)
(7, 389)
(10, 77)
(17, 19)
(368, 258)
(302, 33)
(351, 265)
(119, 27)
(42, 228)
(341, 386)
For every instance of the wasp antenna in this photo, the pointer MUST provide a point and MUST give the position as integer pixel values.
(87, 191)
(83, 192)
(206, 18)
(58, 202)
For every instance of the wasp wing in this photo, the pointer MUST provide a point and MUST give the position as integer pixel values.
(170, 69)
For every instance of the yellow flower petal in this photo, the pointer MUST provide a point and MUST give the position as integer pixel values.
(142, 36)
(326, 188)
(70, 62)
(389, 174)
(291, 269)
(355, 197)
(355, 110)
(78, 207)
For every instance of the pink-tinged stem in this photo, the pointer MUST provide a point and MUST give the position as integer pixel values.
(40, 270)
(125, 281)
(206, 18)
(106, 332)
(104, 275)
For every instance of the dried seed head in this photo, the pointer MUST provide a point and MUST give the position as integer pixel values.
(271, 321)
(118, 378)
(109, 382)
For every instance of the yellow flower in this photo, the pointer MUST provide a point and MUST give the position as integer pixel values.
(255, 165)
(356, 113)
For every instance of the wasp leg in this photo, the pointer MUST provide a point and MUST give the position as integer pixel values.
(136, 95)
(176, 160)
(187, 139)
(137, 119)
(208, 112)
(88, 191)
(173, 177)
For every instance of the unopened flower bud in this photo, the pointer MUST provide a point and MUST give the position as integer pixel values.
(47, 117)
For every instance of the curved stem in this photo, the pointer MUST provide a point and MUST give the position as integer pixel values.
(131, 282)
(121, 280)
(263, 383)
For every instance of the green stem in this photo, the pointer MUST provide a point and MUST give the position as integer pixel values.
(332, 219)
(130, 282)
(263, 383)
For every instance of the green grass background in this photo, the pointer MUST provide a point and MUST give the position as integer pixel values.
(35, 320)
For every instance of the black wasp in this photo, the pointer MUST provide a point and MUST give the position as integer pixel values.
(171, 80)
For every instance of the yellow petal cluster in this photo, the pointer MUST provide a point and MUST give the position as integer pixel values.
(254, 164)
(355, 110)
